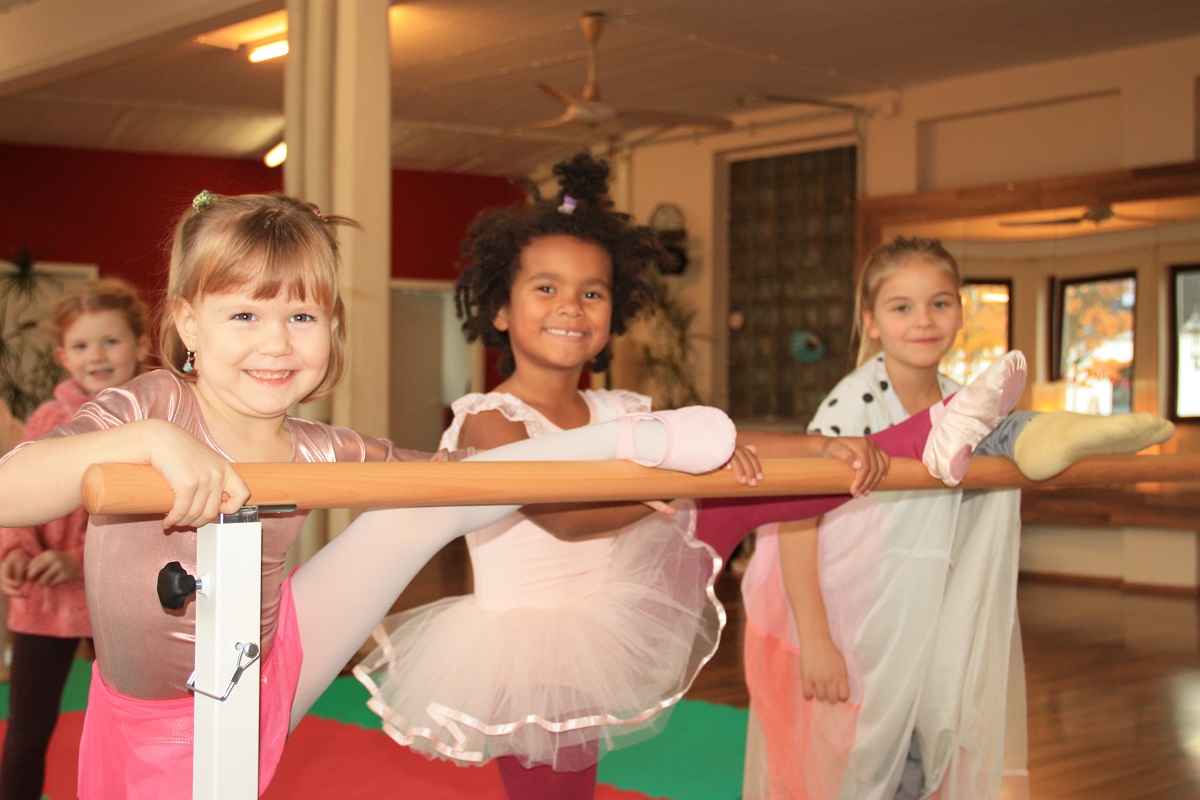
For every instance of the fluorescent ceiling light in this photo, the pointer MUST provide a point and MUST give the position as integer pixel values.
(269, 50)
(276, 155)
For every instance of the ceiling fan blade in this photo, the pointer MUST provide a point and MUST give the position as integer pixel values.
(1016, 223)
(561, 95)
(1154, 220)
(545, 124)
(645, 119)
(1095, 214)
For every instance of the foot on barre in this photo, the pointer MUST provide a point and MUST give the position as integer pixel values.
(1051, 442)
(962, 422)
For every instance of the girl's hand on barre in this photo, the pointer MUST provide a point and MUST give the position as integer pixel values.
(747, 470)
(203, 482)
(869, 462)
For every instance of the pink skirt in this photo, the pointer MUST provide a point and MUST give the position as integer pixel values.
(142, 749)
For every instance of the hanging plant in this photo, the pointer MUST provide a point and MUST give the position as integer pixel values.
(29, 370)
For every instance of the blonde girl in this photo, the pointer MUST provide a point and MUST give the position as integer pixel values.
(253, 323)
(100, 331)
(878, 652)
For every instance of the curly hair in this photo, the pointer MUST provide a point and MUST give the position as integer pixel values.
(491, 254)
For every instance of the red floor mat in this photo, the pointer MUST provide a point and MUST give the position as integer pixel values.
(62, 759)
(326, 759)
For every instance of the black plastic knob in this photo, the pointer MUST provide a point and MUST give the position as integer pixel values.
(175, 586)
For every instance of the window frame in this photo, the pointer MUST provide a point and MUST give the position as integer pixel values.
(1058, 293)
(1176, 272)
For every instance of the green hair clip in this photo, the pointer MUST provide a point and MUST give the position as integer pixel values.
(202, 200)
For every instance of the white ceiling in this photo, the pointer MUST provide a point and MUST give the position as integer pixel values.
(465, 71)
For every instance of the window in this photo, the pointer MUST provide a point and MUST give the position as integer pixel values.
(1093, 345)
(1183, 343)
(987, 329)
(791, 282)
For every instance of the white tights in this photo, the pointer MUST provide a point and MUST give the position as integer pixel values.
(351, 583)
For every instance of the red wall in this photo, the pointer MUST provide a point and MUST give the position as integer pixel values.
(117, 209)
(430, 214)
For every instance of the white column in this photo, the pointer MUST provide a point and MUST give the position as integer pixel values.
(338, 111)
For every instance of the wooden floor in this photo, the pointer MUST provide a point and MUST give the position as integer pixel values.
(1113, 683)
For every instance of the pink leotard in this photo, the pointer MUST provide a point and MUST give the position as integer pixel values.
(143, 650)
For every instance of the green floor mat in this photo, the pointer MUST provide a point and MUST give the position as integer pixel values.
(698, 756)
(74, 695)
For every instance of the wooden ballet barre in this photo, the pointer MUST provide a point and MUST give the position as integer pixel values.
(139, 489)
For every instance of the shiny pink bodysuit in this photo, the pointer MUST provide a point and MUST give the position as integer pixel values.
(143, 650)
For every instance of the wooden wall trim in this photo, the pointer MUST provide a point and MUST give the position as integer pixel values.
(1139, 183)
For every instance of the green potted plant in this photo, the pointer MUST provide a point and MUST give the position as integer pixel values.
(668, 353)
(29, 369)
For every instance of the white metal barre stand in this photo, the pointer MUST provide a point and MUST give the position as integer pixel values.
(225, 684)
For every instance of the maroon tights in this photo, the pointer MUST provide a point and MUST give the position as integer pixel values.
(724, 522)
(544, 783)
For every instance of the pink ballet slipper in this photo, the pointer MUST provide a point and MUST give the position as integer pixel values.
(699, 438)
(962, 422)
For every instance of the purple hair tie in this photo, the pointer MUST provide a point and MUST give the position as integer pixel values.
(568, 205)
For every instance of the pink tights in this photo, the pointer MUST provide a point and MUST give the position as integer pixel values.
(724, 522)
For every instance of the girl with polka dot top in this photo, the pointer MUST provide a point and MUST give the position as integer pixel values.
(879, 637)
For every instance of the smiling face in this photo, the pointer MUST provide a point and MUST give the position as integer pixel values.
(560, 304)
(99, 350)
(916, 314)
(255, 357)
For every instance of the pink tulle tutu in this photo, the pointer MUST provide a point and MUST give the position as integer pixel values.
(554, 684)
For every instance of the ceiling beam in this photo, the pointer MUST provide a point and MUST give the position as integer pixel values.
(46, 41)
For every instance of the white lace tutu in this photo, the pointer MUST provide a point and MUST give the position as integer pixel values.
(556, 685)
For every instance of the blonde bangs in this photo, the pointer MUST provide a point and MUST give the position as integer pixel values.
(298, 268)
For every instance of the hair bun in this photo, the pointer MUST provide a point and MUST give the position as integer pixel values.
(584, 179)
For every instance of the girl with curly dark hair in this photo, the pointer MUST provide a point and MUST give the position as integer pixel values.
(569, 649)
(565, 648)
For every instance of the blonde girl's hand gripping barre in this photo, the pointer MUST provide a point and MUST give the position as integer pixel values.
(43, 481)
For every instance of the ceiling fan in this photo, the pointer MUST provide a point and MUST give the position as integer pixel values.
(1095, 214)
(589, 112)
